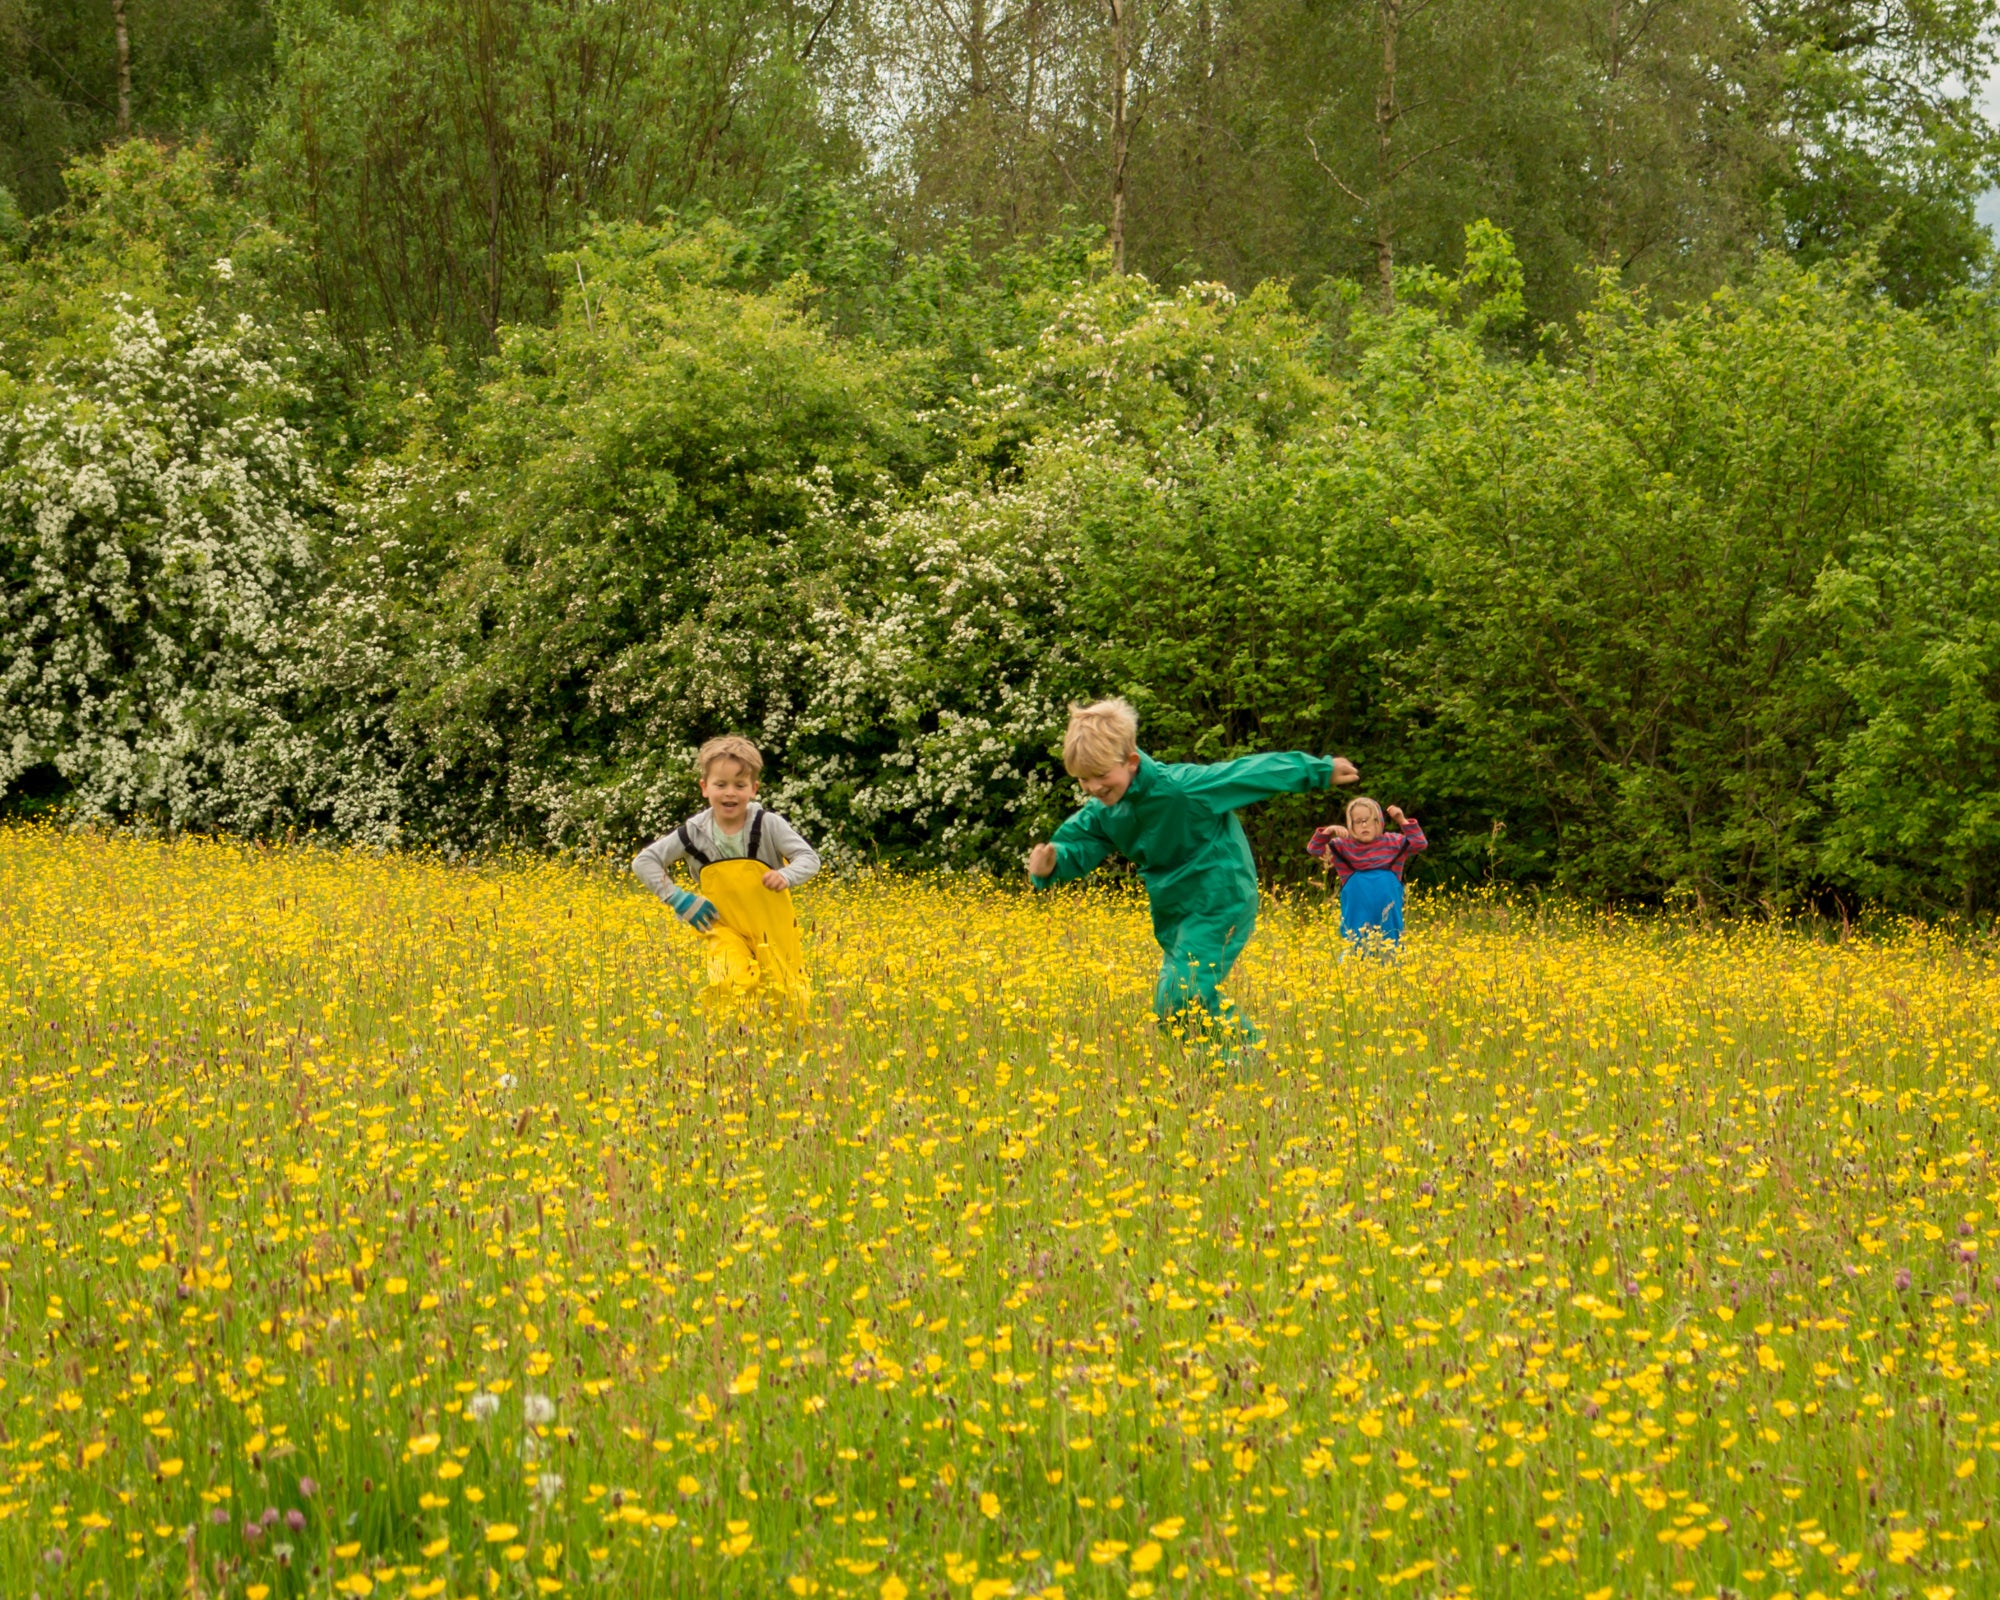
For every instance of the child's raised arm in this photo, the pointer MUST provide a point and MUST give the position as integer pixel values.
(651, 864)
(1232, 785)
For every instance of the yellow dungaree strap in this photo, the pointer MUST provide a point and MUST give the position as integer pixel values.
(755, 944)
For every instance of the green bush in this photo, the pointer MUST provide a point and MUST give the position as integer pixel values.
(1648, 569)
(635, 517)
(1698, 604)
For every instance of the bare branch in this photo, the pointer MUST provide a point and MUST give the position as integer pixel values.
(1421, 155)
(1313, 145)
(819, 28)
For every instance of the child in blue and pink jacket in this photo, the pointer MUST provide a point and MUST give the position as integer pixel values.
(1370, 863)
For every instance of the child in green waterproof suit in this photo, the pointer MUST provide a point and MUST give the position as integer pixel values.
(1176, 822)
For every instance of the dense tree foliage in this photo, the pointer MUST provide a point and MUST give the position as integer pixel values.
(434, 420)
(429, 155)
(188, 67)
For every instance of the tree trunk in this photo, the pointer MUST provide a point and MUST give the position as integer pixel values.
(976, 30)
(1607, 136)
(1121, 131)
(488, 49)
(123, 41)
(1204, 123)
(1019, 206)
(1389, 15)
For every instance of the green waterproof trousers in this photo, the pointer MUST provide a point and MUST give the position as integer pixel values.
(1177, 824)
(1195, 956)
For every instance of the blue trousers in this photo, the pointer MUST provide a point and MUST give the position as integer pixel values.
(1371, 905)
(1195, 956)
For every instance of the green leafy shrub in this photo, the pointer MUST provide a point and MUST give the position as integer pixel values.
(1701, 604)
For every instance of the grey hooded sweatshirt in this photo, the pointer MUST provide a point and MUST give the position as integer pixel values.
(778, 844)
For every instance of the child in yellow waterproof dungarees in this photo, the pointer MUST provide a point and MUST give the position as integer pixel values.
(746, 862)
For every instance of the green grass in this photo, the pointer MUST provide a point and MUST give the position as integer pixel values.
(1563, 1256)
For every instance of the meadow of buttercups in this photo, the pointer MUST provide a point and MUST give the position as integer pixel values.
(380, 1226)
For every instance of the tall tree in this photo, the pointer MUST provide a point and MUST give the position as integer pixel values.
(1391, 157)
(1886, 146)
(980, 111)
(435, 152)
(1257, 138)
(74, 73)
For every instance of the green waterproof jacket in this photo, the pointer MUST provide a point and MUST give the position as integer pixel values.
(1177, 824)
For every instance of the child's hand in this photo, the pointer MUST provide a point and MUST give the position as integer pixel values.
(697, 913)
(700, 915)
(1339, 831)
(774, 880)
(1042, 861)
(1396, 815)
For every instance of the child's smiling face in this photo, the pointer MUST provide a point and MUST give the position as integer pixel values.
(728, 787)
(1108, 788)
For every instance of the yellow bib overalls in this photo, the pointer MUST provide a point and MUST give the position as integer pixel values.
(754, 945)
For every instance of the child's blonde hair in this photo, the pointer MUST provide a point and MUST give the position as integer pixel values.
(1361, 802)
(1101, 735)
(730, 747)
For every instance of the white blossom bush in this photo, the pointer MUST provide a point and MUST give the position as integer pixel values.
(910, 684)
(939, 674)
(155, 544)
(697, 511)
(694, 512)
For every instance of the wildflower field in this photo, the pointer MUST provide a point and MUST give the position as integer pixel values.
(377, 1226)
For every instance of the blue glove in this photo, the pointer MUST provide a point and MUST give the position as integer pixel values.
(697, 913)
